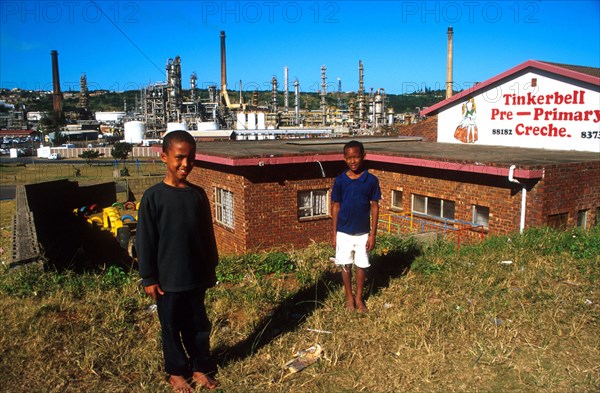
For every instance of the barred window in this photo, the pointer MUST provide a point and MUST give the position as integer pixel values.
(481, 215)
(312, 203)
(224, 207)
(434, 207)
(397, 199)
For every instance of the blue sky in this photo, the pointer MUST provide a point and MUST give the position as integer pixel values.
(124, 45)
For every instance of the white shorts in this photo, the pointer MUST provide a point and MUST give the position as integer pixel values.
(352, 249)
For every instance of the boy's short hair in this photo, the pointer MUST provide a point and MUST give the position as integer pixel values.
(355, 143)
(177, 136)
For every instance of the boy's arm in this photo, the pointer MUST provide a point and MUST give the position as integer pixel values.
(146, 248)
(374, 220)
(335, 209)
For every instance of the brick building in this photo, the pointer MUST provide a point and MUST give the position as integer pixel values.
(544, 171)
(272, 193)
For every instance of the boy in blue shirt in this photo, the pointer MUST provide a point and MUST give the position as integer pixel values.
(177, 256)
(355, 197)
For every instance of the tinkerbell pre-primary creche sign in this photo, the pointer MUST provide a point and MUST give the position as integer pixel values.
(533, 109)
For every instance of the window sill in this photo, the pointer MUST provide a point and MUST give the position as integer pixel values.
(446, 221)
(313, 218)
(223, 226)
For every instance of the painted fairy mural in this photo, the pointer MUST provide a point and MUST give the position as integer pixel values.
(466, 131)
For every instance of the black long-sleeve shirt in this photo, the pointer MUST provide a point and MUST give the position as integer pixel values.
(176, 246)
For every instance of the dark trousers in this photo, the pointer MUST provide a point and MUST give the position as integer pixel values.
(185, 331)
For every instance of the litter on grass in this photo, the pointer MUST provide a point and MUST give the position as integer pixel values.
(304, 358)
(319, 331)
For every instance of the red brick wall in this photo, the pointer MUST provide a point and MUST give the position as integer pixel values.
(568, 188)
(465, 189)
(228, 240)
(265, 198)
(265, 204)
(427, 129)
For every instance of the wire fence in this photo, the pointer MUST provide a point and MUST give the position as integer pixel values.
(81, 171)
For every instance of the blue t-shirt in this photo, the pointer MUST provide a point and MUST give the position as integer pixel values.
(355, 196)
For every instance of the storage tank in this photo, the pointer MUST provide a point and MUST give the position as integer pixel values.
(240, 124)
(134, 131)
(176, 126)
(207, 125)
(252, 121)
(260, 121)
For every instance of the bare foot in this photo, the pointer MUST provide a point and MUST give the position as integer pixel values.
(361, 306)
(350, 305)
(205, 380)
(179, 384)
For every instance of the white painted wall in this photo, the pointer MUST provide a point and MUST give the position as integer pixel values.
(555, 115)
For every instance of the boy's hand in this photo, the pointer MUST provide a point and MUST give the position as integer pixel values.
(370, 242)
(154, 291)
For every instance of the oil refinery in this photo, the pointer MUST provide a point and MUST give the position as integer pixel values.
(165, 106)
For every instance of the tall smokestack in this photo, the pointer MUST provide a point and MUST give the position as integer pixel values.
(296, 103)
(223, 63)
(449, 66)
(224, 93)
(56, 94)
(285, 89)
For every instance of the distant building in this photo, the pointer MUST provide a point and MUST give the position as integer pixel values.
(110, 117)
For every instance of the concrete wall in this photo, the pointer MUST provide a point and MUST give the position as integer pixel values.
(138, 151)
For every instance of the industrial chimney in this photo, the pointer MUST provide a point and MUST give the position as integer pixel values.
(224, 93)
(361, 92)
(285, 89)
(56, 94)
(223, 63)
(449, 66)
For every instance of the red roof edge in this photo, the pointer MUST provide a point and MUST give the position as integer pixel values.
(529, 63)
(411, 161)
(458, 166)
(261, 161)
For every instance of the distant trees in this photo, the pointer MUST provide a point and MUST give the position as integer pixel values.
(51, 124)
(89, 155)
(120, 151)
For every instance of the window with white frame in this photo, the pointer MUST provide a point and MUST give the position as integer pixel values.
(434, 207)
(312, 203)
(396, 199)
(481, 215)
(224, 207)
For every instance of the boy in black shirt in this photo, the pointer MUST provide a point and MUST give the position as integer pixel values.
(177, 257)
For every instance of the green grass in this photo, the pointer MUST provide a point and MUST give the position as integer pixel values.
(513, 313)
